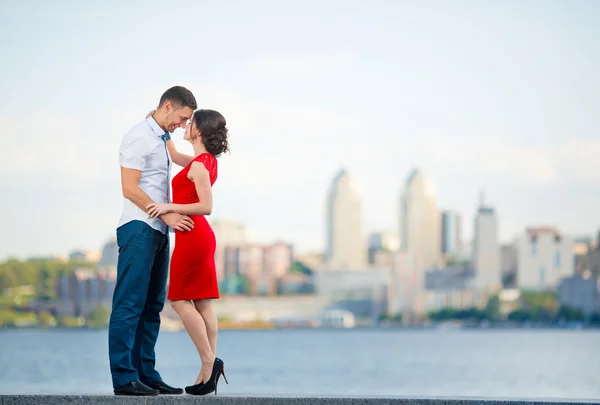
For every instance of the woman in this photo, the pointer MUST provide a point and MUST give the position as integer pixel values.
(193, 278)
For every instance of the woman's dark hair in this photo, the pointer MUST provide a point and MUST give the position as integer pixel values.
(212, 127)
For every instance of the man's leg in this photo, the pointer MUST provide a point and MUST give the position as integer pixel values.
(136, 257)
(149, 324)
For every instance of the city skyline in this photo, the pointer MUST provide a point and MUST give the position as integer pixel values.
(476, 96)
(250, 239)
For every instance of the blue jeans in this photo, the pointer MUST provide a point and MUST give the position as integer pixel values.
(138, 299)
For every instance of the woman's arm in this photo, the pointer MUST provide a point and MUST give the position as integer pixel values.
(178, 158)
(201, 178)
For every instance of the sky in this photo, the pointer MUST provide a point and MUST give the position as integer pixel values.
(499, 96)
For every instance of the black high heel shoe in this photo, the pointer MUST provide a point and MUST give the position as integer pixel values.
(211, 385)
(191, 388)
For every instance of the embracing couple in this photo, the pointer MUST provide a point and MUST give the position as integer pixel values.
(145, 156)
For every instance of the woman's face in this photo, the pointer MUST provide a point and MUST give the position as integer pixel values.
(190, 129)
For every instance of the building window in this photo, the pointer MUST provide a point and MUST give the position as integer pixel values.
(557, 260)
(542, 277)
(533, 247)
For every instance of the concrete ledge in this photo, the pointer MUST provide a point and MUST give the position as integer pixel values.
(271, 400)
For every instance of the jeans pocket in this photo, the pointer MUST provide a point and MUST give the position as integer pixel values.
(130, 232)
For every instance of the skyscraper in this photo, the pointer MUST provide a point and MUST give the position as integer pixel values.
(486, 249)
(346, 243)
(545, 256)
(451, 230)
(420, 220)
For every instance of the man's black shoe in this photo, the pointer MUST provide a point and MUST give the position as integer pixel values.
(165, 388)
(136, 388)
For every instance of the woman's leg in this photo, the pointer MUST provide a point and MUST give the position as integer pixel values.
(196, 328)
(205, 309)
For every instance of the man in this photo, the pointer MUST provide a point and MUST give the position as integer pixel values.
(144, 247)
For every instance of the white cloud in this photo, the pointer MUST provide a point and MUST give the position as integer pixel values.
(578, 161)
(572, 160)
(278, 148)
(50, 147)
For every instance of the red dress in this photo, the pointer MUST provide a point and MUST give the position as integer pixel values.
(193, 275)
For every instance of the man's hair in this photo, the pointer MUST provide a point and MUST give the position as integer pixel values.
(180, 97)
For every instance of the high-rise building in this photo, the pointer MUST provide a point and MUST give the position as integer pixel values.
(260, 265)
(420, 220)
(579, 292)
(110, 254)
(486, 249)
(508, 265)
(382, 244)
(228, 233)
(451, 234)
(346, 244)
(545, 256)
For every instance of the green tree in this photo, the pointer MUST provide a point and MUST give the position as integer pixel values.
(492, 308)
(569, 314)
(7, 279)
(26, 319)
(546, 300)
(41, 274)
(457, 263)
(299, 267)
(15, 273)
(70, 322)
(46, 319)
(394, 318)
(470, 314)
(8, 317)
(98, 318)
(519, 315)
(541, 314)
(444, 314)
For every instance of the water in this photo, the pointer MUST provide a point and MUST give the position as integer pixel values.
(533, 364)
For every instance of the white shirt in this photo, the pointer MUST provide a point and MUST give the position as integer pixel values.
(143, 149)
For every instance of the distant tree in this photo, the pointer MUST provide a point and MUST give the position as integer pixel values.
(470, 314)
(395, 318)
(444, 314)
(46, 319)
(7, 318)
(299, 267)
(519, 315)
(98, 318)
(534, 300)
(457, 263)
(569, 314)
(70, 322)
(492, 308)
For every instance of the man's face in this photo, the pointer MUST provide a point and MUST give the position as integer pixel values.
(177, 117)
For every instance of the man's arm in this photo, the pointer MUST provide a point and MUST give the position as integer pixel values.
(130, 180)
(133, 154)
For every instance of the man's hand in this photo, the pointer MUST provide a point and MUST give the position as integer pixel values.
(178, 222)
